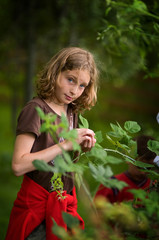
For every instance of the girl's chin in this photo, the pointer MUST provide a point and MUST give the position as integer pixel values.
(67, 101)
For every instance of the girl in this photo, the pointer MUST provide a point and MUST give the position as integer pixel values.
(68, 85)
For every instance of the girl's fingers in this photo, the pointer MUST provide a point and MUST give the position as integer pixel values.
(88, 144)
(85, 131)
(85, 134)
(86, 138)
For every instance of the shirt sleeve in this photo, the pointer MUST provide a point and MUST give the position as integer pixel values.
(29, 120)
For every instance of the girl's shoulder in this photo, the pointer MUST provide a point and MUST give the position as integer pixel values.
(37, 101)
(29, 120)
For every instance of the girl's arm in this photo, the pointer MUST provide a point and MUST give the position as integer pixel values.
(23, 158)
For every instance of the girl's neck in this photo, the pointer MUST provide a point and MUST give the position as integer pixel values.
(57, 107)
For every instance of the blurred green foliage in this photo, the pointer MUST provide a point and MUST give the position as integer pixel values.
(9, 184)
(125, 219)
(130, 34)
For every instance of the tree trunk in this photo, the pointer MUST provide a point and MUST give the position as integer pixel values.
(30, 70)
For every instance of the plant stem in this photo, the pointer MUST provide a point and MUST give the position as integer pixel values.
(124, 155)
(89, 196)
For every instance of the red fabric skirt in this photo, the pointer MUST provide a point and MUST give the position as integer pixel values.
(35, 204)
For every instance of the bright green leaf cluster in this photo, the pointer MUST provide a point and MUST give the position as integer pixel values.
(83, 123)
(122, 138)
(103, 175)
(153, 146)
(150, 203)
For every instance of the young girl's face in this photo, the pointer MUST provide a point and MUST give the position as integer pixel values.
(70, 85)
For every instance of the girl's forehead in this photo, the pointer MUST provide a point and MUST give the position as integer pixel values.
(77, 71)
(79, 74)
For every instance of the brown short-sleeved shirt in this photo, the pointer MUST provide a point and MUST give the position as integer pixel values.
(30, 122)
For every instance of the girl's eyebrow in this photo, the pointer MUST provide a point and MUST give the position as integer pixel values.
(71, 75)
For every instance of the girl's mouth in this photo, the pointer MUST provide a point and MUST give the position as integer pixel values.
(68, 97)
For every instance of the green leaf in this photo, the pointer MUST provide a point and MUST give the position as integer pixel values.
(115, 183)
(83, 123)
(110, 140)
(77, 168)
(61, 165)
(143, 165)
(70, 135)
(67, 157)
(60, 232)
(44, 127)
(122, 146)
(125, 139)
(50, 117)
(103, 175)
(153, 175)
(118, 132)
(108, 171)
(153, 146)
(97, 153)
(99, 172)
(99, 137)
(70, 220)
(107, 10)
(76, 146)
(133, 148)
(138, 193)
(132, 127)
(78, 179)
(98, 145)
(64, 122)
(130, 160)
(40, 113)
(113, 160)
(156, 26)
(94, 171)
(42, 166)
(140, 5)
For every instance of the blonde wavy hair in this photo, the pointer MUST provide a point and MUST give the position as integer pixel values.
(70, 58)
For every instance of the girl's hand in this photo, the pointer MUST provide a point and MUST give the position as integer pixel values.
(87, 145)
(86, 139)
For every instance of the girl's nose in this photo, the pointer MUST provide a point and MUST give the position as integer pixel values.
(74, 90)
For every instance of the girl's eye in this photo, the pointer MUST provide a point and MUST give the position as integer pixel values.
(70, 80)
(82, 86)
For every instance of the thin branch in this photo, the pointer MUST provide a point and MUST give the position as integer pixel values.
(124, 155)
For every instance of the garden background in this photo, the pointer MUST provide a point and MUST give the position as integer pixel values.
(123, 36)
